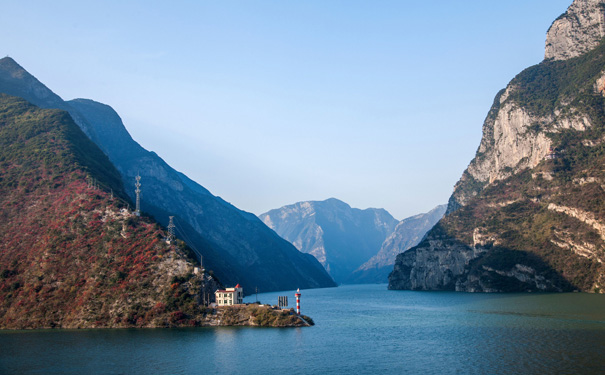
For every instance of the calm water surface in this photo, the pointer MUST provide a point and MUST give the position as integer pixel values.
(360, 329)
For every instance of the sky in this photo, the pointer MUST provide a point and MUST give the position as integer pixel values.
(268, 103)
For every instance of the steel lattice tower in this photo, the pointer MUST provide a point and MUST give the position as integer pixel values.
(138, 193)
(171, 227)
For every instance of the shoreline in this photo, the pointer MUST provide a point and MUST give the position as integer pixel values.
(245, 315)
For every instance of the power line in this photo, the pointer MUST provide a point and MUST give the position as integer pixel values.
(188, 241)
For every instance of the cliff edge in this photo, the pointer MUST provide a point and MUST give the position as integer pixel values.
(528, 214)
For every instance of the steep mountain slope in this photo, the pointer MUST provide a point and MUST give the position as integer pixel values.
(71, 255)
(576, 31)
(406, 235)
(16, 81)
(235, 244)
(340, 237)
(529, 212)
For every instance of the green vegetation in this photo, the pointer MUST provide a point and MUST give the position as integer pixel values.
(527, 232)
(567, 84)
(514, 214)
(49, 139)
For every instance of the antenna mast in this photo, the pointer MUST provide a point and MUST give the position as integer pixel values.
(171, 227)
(138, 193)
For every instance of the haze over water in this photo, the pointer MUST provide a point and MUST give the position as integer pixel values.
(359, 329)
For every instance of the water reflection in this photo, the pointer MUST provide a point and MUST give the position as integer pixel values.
(225, 349)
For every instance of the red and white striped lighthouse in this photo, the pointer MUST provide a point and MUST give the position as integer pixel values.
(297, 301)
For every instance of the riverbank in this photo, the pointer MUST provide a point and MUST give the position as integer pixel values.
(253, 315)
(256, 315)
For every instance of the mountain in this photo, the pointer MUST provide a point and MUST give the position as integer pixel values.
(406, 235)
(71, 254)
(16, 81)
(235, 244)
(528, 214)
(340, 237)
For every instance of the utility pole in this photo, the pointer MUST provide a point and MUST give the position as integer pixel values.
(138, 193)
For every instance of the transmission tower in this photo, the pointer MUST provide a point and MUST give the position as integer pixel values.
(138, 193)
(171, 227)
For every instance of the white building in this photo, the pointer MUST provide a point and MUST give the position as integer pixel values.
(229, 296)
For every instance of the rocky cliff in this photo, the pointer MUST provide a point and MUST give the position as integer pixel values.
(340, 237)
(576, 31)
(406, 235)
(527, 213)
(235, 244)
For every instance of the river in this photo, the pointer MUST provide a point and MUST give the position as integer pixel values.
(360, 329)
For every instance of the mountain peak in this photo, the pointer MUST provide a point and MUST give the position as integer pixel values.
(8, 65)
(580, 29)
(339, 236)
(17, 81)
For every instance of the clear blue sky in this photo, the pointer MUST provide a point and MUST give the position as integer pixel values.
(266, 103)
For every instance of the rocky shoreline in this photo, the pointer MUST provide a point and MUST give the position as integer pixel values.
(256, 316)
(251, 315)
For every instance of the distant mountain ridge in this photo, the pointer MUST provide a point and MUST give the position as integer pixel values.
(233, 243)
(407, 234)
(340, 237)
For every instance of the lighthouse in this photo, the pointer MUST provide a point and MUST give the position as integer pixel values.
(297, 301)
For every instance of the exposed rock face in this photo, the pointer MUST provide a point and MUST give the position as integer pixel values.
(442, 263)
(437, 264)
(577, 31)
(235, 244)
(340, 237)
(527, 213)
(513, 139)
(406, 234)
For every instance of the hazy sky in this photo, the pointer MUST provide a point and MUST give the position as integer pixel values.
(266, 103)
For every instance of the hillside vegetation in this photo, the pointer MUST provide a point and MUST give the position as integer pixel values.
(71, 254)
(538, 223)
(531, 215)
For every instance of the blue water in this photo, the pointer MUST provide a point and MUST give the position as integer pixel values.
(360, 329)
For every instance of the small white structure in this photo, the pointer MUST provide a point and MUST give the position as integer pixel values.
(229, 296)
(552, 154)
